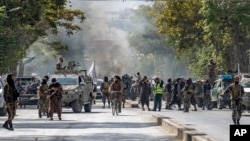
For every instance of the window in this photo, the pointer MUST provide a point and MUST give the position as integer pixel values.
(68, 80)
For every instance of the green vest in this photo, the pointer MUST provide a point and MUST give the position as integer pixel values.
(158, 89)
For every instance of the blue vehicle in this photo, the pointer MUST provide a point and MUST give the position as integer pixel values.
(220, 98)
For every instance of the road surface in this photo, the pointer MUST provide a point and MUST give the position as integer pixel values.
(131, 124)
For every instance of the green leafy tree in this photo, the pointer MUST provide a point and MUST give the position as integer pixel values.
(24, 21)
(155, 55)
(204, 30)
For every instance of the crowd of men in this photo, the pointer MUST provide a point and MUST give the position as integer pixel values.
(179, 91)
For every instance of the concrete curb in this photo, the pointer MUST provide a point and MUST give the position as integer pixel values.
(181, 131)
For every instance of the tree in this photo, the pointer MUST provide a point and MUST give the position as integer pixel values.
(201, 30)
(25, 21)
(155, 55)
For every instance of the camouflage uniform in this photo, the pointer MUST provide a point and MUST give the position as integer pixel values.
(55, 97)
(168, 91)
(105, 92)
(43, 101)
(187, 94)
(10, 97)
(236, 91)
(206, 96)
(211, 71)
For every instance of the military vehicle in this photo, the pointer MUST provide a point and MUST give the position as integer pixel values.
(220, 98)
(27, 87)
(77, 89)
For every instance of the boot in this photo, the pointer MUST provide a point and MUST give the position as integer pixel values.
(143, 109)
(11, 127)
(167, 107)
(238, 122)
(149, 109)
(47, 114)
(234, 120)
(195, 108)
(40, 115)
(5, 125)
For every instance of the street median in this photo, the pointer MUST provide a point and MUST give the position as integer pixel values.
(182, 132)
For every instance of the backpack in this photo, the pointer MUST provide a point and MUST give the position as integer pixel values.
(105, 87)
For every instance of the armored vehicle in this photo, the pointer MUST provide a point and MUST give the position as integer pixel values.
(27, 87)
(77, 89)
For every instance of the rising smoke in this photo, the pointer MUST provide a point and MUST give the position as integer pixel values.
(103, 38)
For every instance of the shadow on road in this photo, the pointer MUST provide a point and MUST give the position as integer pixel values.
(81, 125)
(92, 137)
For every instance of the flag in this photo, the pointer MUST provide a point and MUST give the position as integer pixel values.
(92, 72)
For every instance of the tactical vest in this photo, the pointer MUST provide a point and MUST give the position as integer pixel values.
(158, 89)
(190, 90)
(105, 87)
(43, 88)
(236, 92)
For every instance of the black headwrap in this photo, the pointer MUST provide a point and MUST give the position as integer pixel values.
(10, 81)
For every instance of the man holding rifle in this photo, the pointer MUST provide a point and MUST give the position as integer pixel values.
(55, 96)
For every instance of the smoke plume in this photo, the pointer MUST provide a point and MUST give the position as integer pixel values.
(103, 38)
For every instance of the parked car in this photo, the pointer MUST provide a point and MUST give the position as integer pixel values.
(246, 96)
(2, 101)
(98, 88)
(218, 99)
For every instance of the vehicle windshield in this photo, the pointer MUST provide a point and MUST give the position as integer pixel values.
(67, 80)
(99, 83)
(24, 81)
(246, 84)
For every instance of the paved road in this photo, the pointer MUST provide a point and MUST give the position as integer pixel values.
(215, 123)
(131, 124)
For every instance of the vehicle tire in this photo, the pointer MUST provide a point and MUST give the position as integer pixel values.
(3, 111)
(77, 106)
(88, 107)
